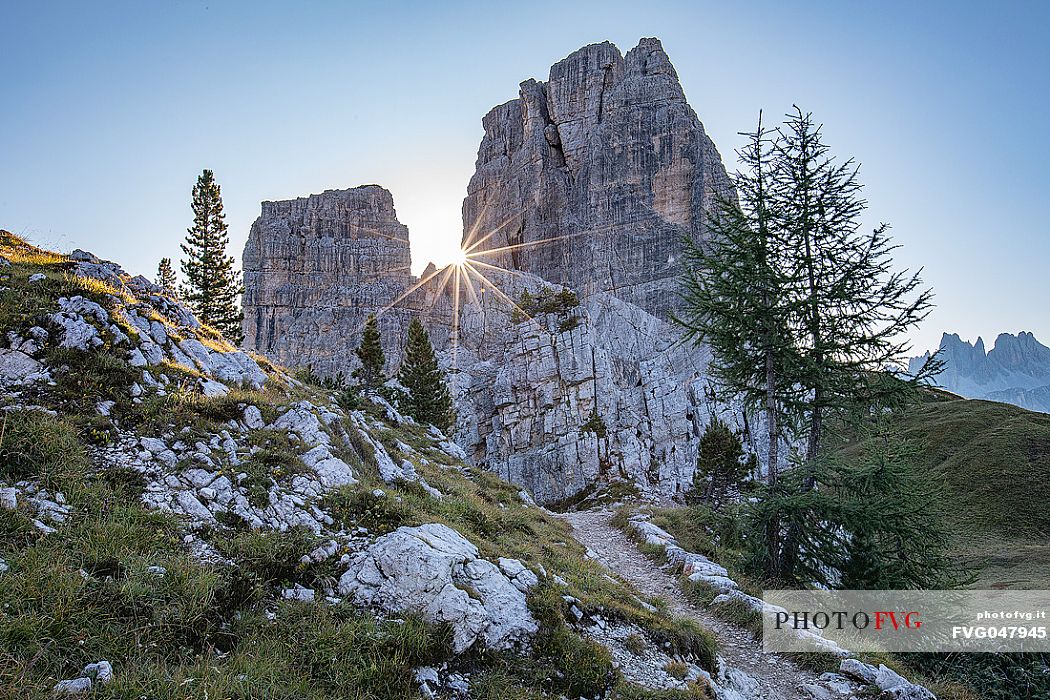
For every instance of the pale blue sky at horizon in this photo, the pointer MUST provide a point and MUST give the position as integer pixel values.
(111, 110)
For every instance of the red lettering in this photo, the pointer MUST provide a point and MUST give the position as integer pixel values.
(880, 615)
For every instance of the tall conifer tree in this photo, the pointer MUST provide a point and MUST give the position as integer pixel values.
(802, 311)
(737, 303)
(428, 399)
(852, 311)
(212, 285)
(166, 275)
(371, 373)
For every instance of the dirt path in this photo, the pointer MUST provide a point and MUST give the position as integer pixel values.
(778, 678)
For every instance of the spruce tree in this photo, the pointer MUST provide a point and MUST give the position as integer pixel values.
(371, 374)
(211, 283)
(166, 275)
(720, 466)
(428, 399)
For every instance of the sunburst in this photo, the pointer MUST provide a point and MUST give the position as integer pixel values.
(466, 274)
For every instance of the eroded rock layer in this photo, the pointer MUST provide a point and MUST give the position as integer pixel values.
(593, 178)
(588, 181)
(315, 267)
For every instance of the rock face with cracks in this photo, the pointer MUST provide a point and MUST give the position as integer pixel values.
(592, 178)
(589, 180)
(435, 571)
(315, 267)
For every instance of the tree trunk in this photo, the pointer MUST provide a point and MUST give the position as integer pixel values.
(773, 526)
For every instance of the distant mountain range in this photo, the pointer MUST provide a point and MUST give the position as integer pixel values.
(1016, 370)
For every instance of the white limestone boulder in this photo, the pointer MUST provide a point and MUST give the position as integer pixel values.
(435, 571)
(17, 368)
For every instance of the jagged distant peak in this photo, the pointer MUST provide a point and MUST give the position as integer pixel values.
(1016, 369)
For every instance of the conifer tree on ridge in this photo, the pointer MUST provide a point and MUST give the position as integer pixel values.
(371, 374)
(212, 285)
(428, 399)
(166, 275)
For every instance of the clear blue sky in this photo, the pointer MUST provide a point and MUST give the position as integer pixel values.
(110, 111)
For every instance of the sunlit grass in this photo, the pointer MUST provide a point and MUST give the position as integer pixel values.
(96, 289)
(19, 251)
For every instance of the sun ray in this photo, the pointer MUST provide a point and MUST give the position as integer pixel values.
(485, 280)
(490, 234)
(529, 244)
(377, 234)
(470, 288)
(455, 326)
(410, 290)
(449, 270)
(490, 266)
(477, 224)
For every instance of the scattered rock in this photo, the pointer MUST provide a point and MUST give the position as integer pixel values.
(101, 672)
(9, 498)
(854, 668)
(435, 571)
(75, 332)
(253, 417)
(895, 687)
(210, 388)
(298, 592)
(17, 368)
(75, 686)
(891, 684)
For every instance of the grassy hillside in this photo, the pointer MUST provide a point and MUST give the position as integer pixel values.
(994, 462)
(90, 572)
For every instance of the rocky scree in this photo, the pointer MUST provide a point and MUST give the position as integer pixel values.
(228, 452)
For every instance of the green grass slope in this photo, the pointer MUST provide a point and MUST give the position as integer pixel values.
(114, 579)
(993, 460)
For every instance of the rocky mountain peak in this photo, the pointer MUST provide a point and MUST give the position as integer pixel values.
(589, 181)
(592, 178)
(1016, 370)
(315, 267)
